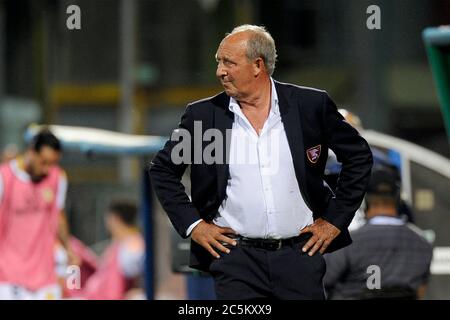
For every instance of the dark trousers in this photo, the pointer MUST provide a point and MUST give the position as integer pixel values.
(253, 273)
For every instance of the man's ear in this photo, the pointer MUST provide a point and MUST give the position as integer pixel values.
(258, 66)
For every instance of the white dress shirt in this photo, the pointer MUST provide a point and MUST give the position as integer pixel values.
(263, 199)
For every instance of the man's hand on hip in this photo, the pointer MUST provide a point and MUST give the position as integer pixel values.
(323, 233)
(210, 236)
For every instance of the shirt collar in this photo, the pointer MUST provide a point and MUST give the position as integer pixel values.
(385, 220)
(19, 172)
(274, 107)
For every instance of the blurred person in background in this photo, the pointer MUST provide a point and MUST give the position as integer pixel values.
(402, 254)
(120, 271)
(32, 196)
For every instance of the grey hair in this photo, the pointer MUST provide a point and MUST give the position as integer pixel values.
(259, 45)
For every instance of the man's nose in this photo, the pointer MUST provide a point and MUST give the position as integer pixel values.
(220, 72)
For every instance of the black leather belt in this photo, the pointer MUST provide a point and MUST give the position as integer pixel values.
(272, 244)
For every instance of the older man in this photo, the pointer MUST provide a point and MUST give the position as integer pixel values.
(260, 217)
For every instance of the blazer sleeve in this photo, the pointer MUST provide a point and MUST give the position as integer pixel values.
(166, 175)
(354, 153)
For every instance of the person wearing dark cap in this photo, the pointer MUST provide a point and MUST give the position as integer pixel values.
(385, 247)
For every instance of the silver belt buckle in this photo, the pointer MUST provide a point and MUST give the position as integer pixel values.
(279, 244)
(275, 244)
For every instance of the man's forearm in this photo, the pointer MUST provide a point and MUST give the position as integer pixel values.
(63, 230)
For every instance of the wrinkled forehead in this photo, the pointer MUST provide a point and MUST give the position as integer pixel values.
(233, 45)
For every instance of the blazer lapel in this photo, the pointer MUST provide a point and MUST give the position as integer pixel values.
(291, 118)
(223, 120)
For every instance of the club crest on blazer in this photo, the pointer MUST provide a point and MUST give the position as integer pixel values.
(313, 153)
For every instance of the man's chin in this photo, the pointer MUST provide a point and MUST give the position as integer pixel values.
(230, 93)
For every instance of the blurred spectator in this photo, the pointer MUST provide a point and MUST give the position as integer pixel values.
(386, 241)
(32, 195)
(119, 274)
